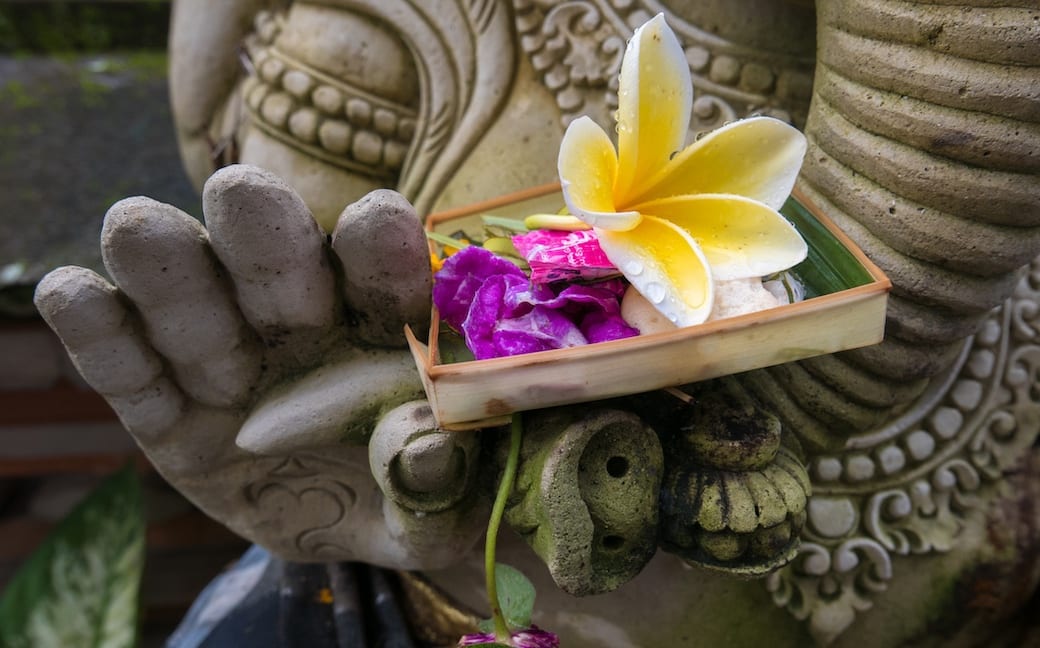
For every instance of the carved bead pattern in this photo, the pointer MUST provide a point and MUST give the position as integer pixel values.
(325, 117)
(928, 469)
(267, 25)
(576, 47)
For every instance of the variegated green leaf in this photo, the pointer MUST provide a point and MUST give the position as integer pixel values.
(80, 588)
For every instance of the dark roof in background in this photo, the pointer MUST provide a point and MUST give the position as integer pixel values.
(84, 121)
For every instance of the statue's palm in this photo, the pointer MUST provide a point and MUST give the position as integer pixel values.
(253, 366)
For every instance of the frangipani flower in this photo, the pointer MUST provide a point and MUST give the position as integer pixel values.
(672, 220)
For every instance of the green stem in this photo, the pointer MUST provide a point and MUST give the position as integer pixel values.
(505, 487)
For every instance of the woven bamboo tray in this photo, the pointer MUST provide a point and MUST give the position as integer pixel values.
(846, 298)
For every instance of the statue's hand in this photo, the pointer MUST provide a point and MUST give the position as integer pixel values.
(258, 369)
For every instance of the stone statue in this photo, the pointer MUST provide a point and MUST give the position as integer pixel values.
(888, 495)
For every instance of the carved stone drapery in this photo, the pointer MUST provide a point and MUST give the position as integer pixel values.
(907, 488)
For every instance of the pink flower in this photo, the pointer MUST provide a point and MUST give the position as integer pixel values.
(533, 637)
(556, 255)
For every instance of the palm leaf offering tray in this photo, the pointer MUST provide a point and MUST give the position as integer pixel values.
(845, 297)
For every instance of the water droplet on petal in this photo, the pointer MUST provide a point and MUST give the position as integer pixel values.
(633, 268)
(655, 292)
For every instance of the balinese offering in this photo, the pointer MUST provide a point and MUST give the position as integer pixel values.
(651, 264)
(655, 235)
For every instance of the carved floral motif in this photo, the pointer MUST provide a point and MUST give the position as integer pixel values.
(298, 486)
(576, 48)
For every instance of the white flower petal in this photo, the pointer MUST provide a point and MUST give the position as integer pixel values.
(666, 266)
(655, 97)
(758, 158)
(588, 167)
(740, 237)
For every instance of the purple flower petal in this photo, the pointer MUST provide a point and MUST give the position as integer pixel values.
(502, 321)
(501, 313)
(476, 638)
(535, 637)
(600, 326)
(603, 295)
(541, 329)
(462, 275)
(521, 296)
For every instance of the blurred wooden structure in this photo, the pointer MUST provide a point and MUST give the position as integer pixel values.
(58, 439)
(83, 92)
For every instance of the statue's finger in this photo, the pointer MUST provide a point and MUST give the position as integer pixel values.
(106, 347)
(418, 466)
(161, 259)
(386, 266)
(265, 236)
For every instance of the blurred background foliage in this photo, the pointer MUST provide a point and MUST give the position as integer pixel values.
(62, 27)
(84, 121)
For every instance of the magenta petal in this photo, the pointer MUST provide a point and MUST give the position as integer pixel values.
(500, 312)
(541, 329)
(602, 327)
(476, 638)
(462, 275)
(616, 287)
(603, 296)
(521, 297)
(502, 321)
(559, 256)
(533, 637)
(484, 314)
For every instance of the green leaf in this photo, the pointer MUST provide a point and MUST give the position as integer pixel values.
(829, 267)
(515, 596)
(508, 224)
(80, 587)
(453, 347)
(446, 240)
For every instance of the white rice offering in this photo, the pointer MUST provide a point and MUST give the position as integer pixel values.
(732, 298)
